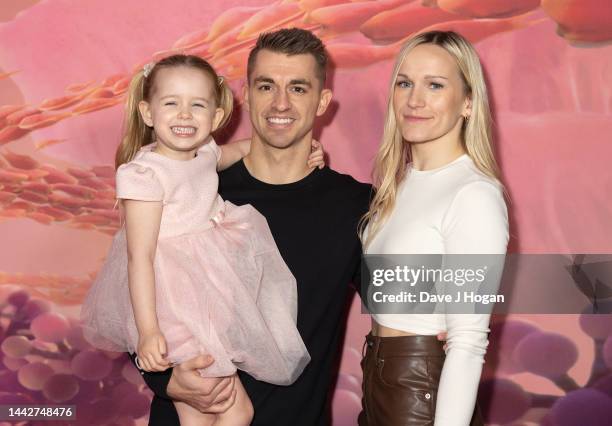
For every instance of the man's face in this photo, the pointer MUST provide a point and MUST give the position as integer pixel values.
(283, 96)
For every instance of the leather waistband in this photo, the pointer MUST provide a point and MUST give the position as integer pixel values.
(416, 345)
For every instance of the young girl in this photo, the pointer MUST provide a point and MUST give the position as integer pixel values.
(190, 274)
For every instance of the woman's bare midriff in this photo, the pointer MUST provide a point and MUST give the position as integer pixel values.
(382, 331)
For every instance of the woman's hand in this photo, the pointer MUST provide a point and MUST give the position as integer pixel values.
(317, 156)
(152, 352)
(442, 336)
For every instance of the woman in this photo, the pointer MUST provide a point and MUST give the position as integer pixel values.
(438, 192)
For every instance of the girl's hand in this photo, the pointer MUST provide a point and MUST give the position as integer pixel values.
(317, 156)
(233, 152)
(152, 352)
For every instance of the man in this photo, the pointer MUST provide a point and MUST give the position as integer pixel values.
(313, 216)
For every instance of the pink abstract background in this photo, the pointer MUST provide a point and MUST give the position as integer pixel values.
(64, 67)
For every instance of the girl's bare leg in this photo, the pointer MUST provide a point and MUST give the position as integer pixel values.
(239, 414)
(189, 416)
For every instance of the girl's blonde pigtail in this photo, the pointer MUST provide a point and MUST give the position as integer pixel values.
(137, 133)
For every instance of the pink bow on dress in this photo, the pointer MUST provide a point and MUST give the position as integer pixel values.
(221, 220)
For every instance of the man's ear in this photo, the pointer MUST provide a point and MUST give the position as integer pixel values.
(145, 113)
(324, 100)
(245, 96)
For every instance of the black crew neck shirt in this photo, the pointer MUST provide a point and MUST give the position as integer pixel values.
(314, 223)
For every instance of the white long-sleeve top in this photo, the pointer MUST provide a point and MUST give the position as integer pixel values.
(454, 209)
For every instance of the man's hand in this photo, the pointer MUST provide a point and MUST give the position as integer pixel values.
(209, 395)
(442, 336)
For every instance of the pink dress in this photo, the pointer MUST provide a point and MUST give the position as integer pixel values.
(221, 285)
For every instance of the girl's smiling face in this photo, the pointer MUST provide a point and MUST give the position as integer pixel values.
(430, 98)
(182, 111)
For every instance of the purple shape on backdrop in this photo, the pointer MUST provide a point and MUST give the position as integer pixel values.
(502, 401)
(583, 407)
(546, 354)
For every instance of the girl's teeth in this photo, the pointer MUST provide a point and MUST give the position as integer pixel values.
(183, 130)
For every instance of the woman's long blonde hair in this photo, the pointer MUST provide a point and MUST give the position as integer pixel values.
(137, 133)
(394, 154)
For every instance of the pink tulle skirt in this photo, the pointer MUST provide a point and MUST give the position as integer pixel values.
(224, 291)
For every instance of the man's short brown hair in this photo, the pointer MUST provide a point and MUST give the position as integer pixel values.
(291, 41)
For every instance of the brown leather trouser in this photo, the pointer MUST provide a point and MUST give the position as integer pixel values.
(400, 381)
